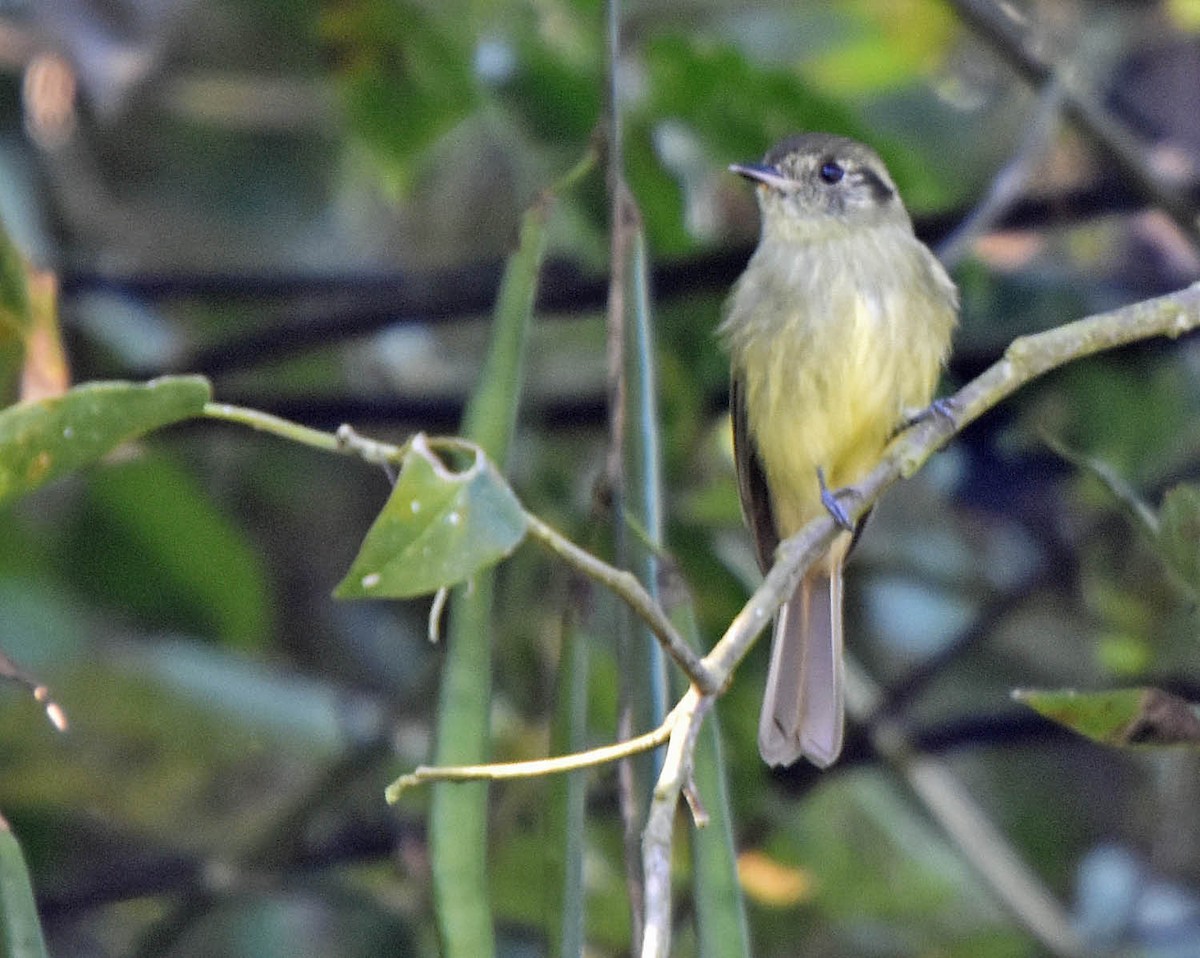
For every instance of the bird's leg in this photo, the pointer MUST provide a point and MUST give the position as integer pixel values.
(829, 500)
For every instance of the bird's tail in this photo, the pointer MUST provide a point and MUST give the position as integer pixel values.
(802, 711)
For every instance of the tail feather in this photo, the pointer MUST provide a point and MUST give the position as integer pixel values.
(802, 712)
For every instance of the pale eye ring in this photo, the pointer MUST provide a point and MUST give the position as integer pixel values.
(831, 172)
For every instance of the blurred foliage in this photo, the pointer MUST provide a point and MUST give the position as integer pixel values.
(1180, 532)
(149, 540)
(405, 72)
(297, 200)
(19, 927)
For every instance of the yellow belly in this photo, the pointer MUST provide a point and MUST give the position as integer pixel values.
(827, 386)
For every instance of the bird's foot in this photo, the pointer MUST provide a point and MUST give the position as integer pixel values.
(830, 500)
(941, 408)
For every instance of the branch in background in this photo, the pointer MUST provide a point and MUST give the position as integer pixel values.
(1018, 43)
(315, 311)
(1009, 183)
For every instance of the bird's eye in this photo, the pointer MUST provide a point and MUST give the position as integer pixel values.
(832, 172)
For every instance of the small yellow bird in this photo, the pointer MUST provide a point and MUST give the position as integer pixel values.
(837, 332)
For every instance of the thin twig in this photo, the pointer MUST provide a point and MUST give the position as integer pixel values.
(277, 426)
(656, 837)
(627, 586)
(13, 672)
(536, 768)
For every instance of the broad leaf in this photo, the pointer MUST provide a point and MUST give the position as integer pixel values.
(437, 529)
(42, 440)
(1138, 716)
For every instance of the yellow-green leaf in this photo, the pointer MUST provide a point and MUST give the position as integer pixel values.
(438, 528)
(15, 317)
(42, 440)
(1136, 716)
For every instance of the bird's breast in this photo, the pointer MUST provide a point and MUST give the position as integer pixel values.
(832, 351)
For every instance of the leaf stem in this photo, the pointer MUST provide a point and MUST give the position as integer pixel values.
(275, 425)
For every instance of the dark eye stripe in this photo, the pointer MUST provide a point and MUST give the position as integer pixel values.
(880, 191)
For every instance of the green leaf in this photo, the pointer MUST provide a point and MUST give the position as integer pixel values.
(1136, 716)
(559, 100)
(16, 318)
(437, 529)
(704, 86)
(882, 46)
(491, 415)
(1179, 534)
(20, 932)
(42, 440)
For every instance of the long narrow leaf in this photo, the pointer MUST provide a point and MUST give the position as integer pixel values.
(638, 506)
(458, 814)
(643, 463)
(568, 793)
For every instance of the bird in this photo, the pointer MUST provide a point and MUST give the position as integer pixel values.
(837, 332)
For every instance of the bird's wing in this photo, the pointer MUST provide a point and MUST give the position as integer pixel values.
(752, 481)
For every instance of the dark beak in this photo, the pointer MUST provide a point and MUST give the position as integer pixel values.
(761, 173)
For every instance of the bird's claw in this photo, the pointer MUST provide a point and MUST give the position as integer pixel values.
(941, 408)
(829, 500)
